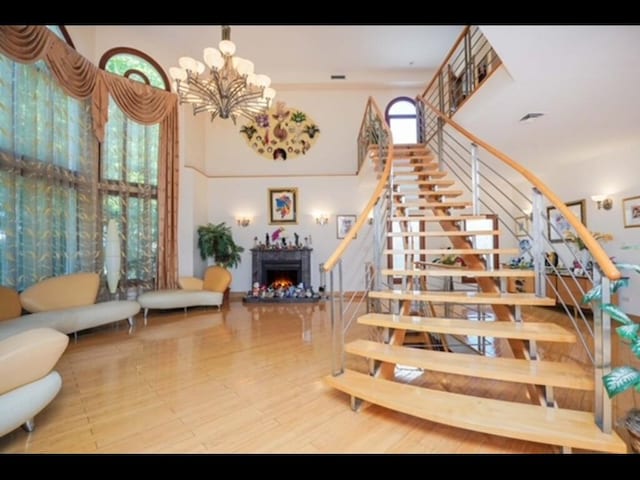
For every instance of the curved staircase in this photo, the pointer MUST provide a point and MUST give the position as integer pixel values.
(451, 384)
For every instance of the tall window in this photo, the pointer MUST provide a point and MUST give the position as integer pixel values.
(48, 177)
(129, 172)
(401, 117)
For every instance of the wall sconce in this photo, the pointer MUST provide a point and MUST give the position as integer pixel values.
(322, 218)
(602, 201)
(370, 219)
(243, 222)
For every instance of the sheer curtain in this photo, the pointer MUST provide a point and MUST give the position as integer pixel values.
(129, 163)
(48, 178)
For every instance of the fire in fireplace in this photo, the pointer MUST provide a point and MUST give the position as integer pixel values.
(282, 274)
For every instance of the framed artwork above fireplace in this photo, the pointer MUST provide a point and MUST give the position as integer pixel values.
(283, 206)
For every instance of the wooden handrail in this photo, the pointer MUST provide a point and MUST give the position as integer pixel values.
(446, 59)
(357, 226)
(598, 253)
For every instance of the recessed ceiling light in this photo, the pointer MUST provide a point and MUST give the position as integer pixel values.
(530, 117)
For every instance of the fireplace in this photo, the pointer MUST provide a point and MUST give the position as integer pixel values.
(281, 265)
(278, 272)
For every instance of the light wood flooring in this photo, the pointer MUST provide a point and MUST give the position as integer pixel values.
(247, 379)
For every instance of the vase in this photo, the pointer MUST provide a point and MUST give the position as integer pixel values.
(632, 424)
(112, 256)
(585, 259)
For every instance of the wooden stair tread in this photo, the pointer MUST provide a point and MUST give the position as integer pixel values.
(416, 195)
(548, 425)
(436, 218)
(422, 173)
(454, 251)
(430, 203)
(435, 181)
(534, 372)
(459, 272)
(415, 161)
(538, 331)
(470, 297)
(442, 233)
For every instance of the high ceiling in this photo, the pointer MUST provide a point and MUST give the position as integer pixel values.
(398, 55)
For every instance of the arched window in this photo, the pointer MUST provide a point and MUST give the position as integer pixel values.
(129, 171)
(135, 65)
(401, 116)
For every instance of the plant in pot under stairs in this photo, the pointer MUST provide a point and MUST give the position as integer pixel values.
(216, 241)
(623, 377)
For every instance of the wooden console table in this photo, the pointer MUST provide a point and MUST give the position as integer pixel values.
(568, 291)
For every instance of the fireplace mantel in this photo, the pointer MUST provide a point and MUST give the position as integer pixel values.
(260, 256)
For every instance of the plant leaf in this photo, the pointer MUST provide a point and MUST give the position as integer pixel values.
(618, 284)
(615, 313)
(620, 379)
(629, 332)
(594, 294)
(628, 266)
(635, 346)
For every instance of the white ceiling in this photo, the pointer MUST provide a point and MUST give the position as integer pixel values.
(583, 78)
(400, 55)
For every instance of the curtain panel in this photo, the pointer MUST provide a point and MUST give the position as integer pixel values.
(81, 79)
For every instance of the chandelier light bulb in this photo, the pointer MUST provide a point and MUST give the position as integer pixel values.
(227, 47)
(187, 63)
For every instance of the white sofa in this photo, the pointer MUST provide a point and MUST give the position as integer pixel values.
(193, 292)
(28, 382)
(66, 303)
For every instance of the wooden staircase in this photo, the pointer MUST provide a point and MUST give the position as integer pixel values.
(423, 195)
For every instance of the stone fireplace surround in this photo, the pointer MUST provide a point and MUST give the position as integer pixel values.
(294, 263)
(295, 259)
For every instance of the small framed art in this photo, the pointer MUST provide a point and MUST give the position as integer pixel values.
(522, 226)
(557, 224)
(631, 211)
(344, 223)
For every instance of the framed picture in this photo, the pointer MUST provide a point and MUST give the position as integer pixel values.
(344, 224)
(283, 206)
(522, 226)
(631, 211)
(557, 220)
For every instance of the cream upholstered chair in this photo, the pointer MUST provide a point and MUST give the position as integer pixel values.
(216, 279)
(28, 382)
(193, 291)
(10, 306)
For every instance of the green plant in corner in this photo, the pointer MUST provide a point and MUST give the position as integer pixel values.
(622, 377)
(216, 241)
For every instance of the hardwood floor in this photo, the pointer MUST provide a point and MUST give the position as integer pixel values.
(247, 379)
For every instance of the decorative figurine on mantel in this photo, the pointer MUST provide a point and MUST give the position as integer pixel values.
(266, 239)
(295, 235)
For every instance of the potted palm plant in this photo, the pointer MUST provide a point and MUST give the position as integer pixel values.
(623, 377)
(216, 241)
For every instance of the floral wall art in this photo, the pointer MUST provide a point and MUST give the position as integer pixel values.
(282, 133)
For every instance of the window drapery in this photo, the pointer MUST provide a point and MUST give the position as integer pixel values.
(93, 88)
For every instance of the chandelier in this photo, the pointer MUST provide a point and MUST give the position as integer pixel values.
(226, 86)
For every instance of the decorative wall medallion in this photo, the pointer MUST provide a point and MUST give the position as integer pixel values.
(282, 133)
